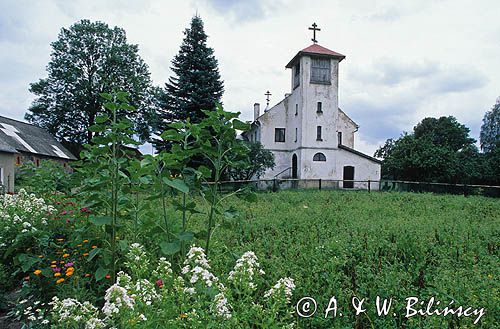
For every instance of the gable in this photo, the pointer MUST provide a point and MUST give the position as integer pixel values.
(23, 137)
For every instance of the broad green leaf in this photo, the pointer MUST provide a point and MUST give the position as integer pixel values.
(93, 253)
(177, 184)
(100, 273)
(186, 236)
(101, 220)
(170, 248)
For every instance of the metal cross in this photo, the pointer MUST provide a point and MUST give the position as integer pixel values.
(314, 28)
(267, 99)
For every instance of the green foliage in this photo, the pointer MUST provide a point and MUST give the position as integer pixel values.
(49, 177)
(254, 162)
(197, 84)
(490, 130)
(87, 59)
(103, 173)
(439, 150)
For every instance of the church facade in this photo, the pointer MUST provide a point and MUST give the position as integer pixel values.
(309, 135)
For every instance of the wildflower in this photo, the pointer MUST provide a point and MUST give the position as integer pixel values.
(85, 241)
(222, 307)
(68, 274)
(60, 239)
(57, 274)
(37, 272)
(61, 280)
(41, 256)
(93, 247)
(283, 286)
(79, 245)
(53, 265)
(70, 269)
(116, 298)
(53, 262)
(65, 255)
(69, 264)
(108, 276)
(183, 315)
(87, 275)
(159, 283)
(85, 254)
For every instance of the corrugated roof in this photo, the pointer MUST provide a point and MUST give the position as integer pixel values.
(318, 50)
(24, 137)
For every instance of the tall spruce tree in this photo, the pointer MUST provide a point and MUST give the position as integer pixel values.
(196, 85)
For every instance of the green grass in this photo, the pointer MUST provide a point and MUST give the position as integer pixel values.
(395, 245)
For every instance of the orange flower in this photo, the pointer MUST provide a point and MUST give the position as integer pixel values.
(53, 265)
(41, 256)
(65, 255)
(37, 272)
(57, 274)
(53, 262)
(61, 262)
(93, 247)
(85, 254)
(85, 241)
(69, 273)
(108, 276)
(61, 280)
(70, 269)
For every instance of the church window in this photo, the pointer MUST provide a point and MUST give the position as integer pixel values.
(296, 109)
(319, 157)
(18, 160)
(296, 132)
(279, 135)
(318, 133)
(296, 76)
(319, 108)
(320, 70)
(340, 137)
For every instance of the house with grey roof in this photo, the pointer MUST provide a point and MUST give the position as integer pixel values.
(21, 142)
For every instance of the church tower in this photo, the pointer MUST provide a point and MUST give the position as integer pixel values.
(310, 136)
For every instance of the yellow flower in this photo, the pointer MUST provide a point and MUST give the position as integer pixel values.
(57, 274)
(79, 245)
(183, 315)
(53, 265)
(37, 272)
(61, 262)
(65, 255)
(41, 256)
(85, 241)
(60, 280)
(53, 262)
(70, 273)
(93, 247)
(85, 254)
(60, 240)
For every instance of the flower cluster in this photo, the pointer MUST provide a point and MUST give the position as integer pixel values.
(284, 287)
(137, 260)
(33, 312)
(70, 313)
(197, 269)
(244, 271)
(116, 299)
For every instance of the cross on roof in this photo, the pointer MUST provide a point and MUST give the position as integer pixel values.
(267, 99)
(314, 28)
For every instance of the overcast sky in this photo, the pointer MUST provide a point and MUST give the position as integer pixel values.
(405, 60)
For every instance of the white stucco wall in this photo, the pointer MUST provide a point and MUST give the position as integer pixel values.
(7, 163)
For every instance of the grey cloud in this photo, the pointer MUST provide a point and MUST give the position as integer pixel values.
(245, 10)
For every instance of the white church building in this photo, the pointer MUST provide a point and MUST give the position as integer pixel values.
(309, 135)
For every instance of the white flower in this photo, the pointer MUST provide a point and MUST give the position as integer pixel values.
(284, 286)
(222, 307)
(116, 298)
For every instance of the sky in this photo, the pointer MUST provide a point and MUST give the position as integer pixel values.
(405, 60)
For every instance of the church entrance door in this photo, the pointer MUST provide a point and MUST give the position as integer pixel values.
(294, 166)
(348, 176)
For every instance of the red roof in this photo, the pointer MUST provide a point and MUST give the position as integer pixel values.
(315, 49)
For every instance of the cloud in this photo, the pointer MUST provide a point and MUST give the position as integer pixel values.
(245, 10)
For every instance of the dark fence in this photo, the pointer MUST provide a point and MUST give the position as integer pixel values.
(365, 185)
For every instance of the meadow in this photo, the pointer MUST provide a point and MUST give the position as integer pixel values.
(392, 245)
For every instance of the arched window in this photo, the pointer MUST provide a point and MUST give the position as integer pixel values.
(319, 157)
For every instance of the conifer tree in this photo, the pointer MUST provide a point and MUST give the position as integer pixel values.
(196, 84)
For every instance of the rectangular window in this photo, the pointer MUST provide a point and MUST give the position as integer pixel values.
(296, 133)
(18, 160)
(319, 109)
(279, 135)
(318, 133)
(296, 75)
(340, 137)
(296, 109)
(1, 176)
(320, 70)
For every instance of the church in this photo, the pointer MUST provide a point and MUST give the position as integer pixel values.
(310, 136)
